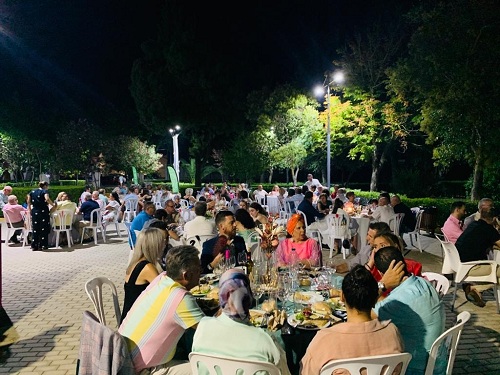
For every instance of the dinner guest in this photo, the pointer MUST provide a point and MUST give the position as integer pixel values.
(199, 226)
(276, 191)
(306, 249)
(384, 211)
(162, 313)
(139, 221)
(349, 204)
(213, 251)
(324, 204)
(484, 203)
(85, 210)
(38, 201)
(15, 212)
(306, 206)
(143, 267)
(415, 307)
(112, 209)
(173, 215)
(245, 226)
(236, 337)
(453, 226)
(258, 213)
(409, 220)
(362, 335)
(4, 195)
(244, 204)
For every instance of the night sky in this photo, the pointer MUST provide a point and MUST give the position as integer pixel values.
(74, 54)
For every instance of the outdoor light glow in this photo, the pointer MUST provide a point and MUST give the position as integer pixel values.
(338, 77)
(319, 91)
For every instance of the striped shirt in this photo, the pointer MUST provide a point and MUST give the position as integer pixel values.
(157, 320)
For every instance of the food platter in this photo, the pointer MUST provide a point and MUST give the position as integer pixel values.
(257, 317)
(201, 290)
(305, 298)
(209, 278)
(309, 324)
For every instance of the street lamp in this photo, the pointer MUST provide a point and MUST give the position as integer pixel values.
(337, 78)
(175, 135)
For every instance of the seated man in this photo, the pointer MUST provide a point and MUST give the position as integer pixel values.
(306, 206)
(199, 225)
(88, 205)
(213, 251)
(453, 226)
(475, 243)
(484, 203)
(414, 307)
(141, 219)
(235, 336)
(361, 335)
(409, 220)
(384, 211)
(15, 212)
(162, 313)
(173, 215)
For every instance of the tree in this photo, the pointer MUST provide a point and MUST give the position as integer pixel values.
(132, 152)
(290, 155)
(452, 74)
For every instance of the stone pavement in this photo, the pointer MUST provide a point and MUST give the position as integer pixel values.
(43, 293)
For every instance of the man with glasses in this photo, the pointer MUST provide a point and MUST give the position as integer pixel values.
(172, 214)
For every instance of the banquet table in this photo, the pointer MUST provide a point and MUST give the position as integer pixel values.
(362, 223)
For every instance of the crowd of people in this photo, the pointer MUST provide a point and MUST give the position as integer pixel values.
(390, 307)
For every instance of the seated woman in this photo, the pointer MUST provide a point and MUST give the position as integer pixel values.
(143, 266)
(324, 204)
(244, 205)
(232, 331)
(258, 213)
(390, 239)
(359, 333)
(189, 196)
(306, 249)
(276, 191)
(112, 209)
(245, 226)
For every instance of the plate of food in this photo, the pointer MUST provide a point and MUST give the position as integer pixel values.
(257, 317)
(306, 298)
(201, 290)
(318, 316)
(209, 278)
(336, 304)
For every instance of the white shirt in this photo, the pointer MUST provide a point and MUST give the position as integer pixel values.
(199, 226)
(314, 181)
(383, 213)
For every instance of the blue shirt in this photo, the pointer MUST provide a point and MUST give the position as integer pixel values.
(416, 309)
(138, 224)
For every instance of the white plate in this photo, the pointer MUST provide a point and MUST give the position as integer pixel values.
(313, 297)
(210, 278)
(257, 322)
(196, 293)
(296, 323)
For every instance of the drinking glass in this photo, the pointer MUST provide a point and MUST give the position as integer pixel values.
(232, 261)
(242, 258)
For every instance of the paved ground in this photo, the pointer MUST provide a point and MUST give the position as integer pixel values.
(43, 293)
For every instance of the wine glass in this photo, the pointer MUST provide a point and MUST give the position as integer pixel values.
(242, 259)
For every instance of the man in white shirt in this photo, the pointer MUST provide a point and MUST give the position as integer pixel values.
(199, 226)
(384, 211)
(312, 181)
(259, 195)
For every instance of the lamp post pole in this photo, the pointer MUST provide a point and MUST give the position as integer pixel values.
(328, 141)
(175, 140)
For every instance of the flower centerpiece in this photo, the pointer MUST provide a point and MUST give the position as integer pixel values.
(269, 234)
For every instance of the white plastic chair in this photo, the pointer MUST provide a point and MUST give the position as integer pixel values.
(374, 365)
(197, 241)
(416, 231)
(62, 222)
(395, 223)
(337, 231)
(452, 264)
(217, 364)
(10, 229)
(450, 339)
(95, 225)
(440, 282)
(130, 209)
(273, 205)
(27, 229)
(114, 222)
(94, 289)
(157, 199)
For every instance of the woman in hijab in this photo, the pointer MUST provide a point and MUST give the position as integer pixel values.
(306, 249)
(231, 334)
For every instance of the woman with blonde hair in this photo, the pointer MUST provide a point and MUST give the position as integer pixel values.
(144, 265)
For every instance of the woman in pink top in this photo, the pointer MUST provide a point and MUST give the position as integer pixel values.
(307, 249)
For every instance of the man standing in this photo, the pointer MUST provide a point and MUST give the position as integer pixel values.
(162, 313)
(199, 226)
(409, 221)
(312, 181)
(15, 212)
(213, 251)
(453, 226)
(414, 307)
(474, 244)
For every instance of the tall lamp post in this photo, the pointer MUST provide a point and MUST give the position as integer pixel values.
(337, 78)
(175, 139)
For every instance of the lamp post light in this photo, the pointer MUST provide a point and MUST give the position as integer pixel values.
(175, 139)
(337, 78)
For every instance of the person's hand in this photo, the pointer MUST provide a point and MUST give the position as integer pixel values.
(392, 277)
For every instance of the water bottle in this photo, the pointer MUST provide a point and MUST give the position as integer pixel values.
(294, 270)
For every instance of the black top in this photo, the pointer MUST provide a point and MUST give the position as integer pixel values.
(476, 240)
(207, 252)
(132, 290)
(409, 220)
(37, 197)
